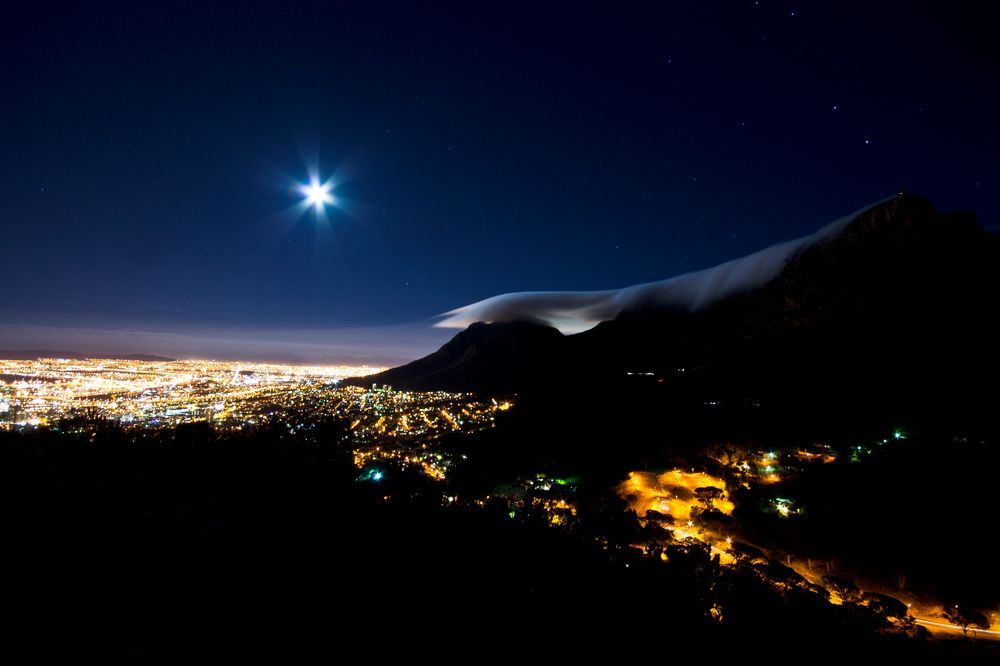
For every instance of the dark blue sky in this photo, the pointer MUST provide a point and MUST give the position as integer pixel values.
(149, 155)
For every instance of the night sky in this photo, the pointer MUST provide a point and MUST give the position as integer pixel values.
(149, 193)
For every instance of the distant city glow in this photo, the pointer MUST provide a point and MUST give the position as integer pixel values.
(384, 427)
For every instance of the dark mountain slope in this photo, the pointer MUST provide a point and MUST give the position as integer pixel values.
(495, 358)
(896, 309)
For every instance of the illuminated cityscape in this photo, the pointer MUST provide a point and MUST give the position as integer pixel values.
(148, 394)
(383, 425)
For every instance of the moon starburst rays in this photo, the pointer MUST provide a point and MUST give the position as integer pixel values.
(317, 194)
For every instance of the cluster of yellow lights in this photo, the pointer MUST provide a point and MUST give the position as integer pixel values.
(672, 493)
(42, 391)
(384, 425)
(558, 511)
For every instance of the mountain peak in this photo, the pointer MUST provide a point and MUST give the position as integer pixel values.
(498, 357)
(909, 214)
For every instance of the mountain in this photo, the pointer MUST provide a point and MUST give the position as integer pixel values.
(893, 311)
(32, 354)
(484, 357)
(138, 357)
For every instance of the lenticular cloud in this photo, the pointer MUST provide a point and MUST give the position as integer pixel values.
(575, 311)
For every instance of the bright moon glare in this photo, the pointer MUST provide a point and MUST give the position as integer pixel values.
(317, 194)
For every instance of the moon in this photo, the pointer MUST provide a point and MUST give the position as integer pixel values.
(317, 194)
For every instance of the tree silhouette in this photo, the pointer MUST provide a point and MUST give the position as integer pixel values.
(843, 587)
(966, 617)
(707, 495)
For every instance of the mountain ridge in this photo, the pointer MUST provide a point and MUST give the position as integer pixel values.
(34, 354)
(900, 295)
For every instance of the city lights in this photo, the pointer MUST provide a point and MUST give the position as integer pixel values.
(381, 425)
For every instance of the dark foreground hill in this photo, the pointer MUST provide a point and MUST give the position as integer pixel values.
(191, 546)
(894, 312)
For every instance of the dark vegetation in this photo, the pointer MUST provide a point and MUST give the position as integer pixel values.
(914, 511)
(264, 547)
